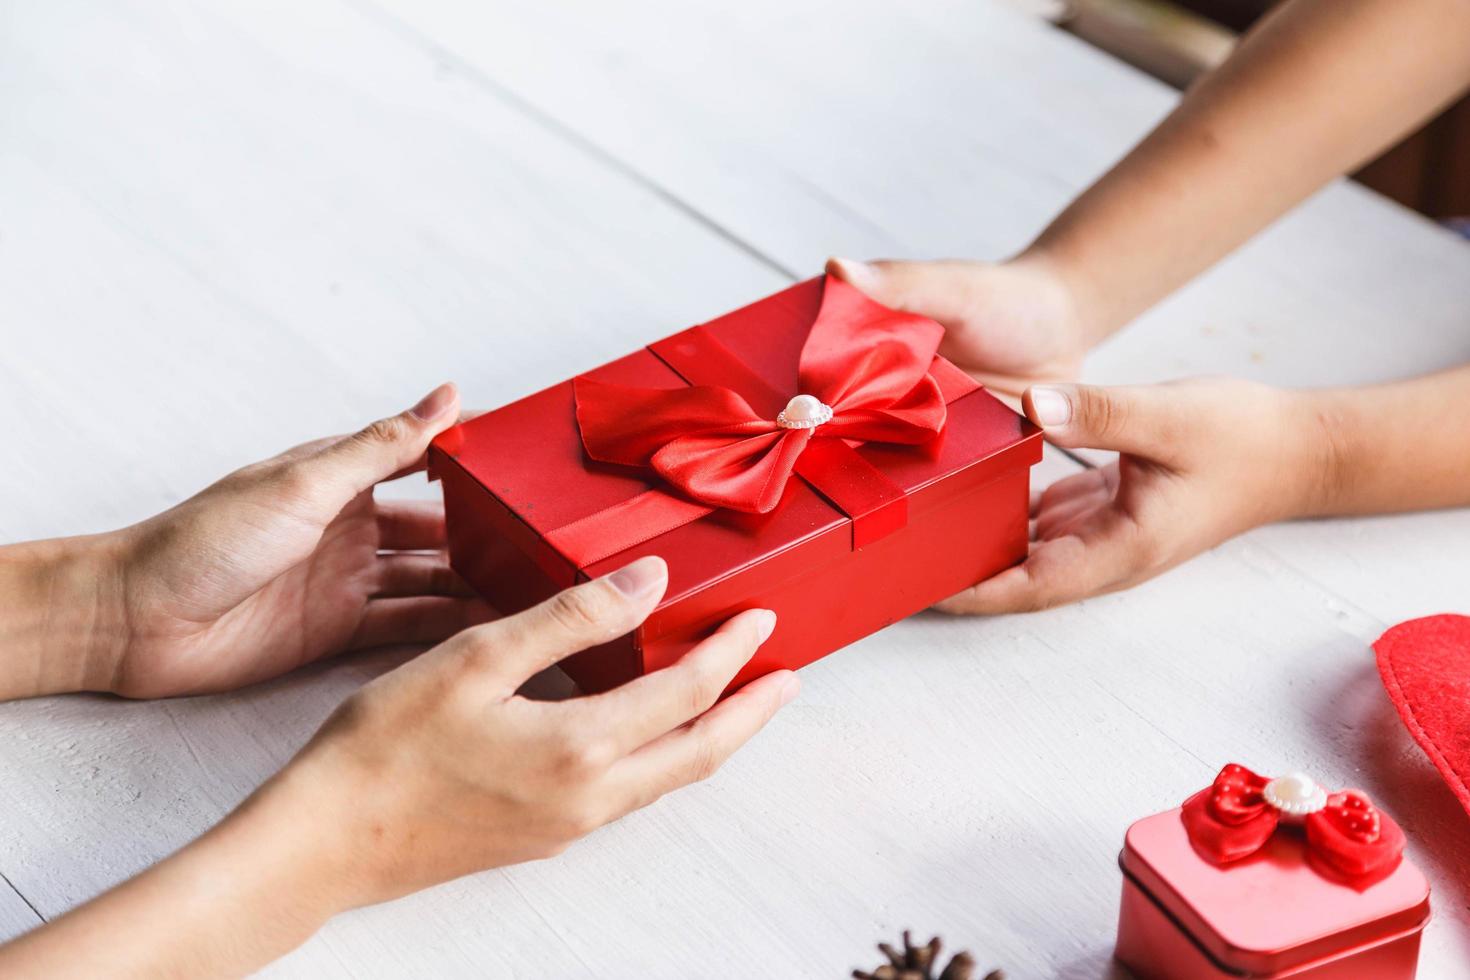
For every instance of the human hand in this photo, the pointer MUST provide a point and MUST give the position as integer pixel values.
(1201, 461)
(433, 771)
(1007, 324)
(284, 562)
(439, 769)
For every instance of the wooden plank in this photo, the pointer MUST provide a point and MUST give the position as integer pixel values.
(309, 202)
(976, 775)
(16, 916)
(840, 118)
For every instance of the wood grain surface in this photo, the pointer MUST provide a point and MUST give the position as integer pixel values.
(226, 228)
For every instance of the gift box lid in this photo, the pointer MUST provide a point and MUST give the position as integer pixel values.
(529, 456)
(1272, 911)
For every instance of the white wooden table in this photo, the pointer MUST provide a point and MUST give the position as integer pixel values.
(229, 227)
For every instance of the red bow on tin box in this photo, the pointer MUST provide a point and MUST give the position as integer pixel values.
(1345, 833)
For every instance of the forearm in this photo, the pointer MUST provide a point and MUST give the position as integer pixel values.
(1393, 447)
(245, 893)
(59, 626)
(1313, 91)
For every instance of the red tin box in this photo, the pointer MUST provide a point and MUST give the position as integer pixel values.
(513, 477)
(1269, 915)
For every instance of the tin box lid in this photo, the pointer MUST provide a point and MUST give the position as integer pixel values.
(1271, 911)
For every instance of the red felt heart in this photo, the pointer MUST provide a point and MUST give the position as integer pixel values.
(1425, 665)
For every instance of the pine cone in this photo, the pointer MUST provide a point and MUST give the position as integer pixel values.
(917, 963)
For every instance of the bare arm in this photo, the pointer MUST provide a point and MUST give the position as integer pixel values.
(245, 893)
(1396, 447)
(1316, 89)
(57, 622)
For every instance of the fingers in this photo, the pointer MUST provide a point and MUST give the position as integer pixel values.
(1060, 520)
(1143, 420)
(1083, 484)
(652, 705)
(939, 290)
(1104, 554)
(416, 575)
(1077, 495)
(696, 751)
(326, 480)
(417, 620)
(411, 525)
(515, 648)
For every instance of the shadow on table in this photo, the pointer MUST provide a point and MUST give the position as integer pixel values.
(1097, 966)
(1359, 716)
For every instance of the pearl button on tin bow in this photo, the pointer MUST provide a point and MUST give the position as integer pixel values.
(803, 412)
(1295, 794)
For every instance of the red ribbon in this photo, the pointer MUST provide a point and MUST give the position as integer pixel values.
(869, 363)
(1349, 837)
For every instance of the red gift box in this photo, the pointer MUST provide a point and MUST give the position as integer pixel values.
(863, 534)
(1320, 894)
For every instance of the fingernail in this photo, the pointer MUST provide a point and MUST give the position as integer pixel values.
(434, 404)
(765, 624)
(1050, 407)
(640, 578)
(857, 273)
(790, 690)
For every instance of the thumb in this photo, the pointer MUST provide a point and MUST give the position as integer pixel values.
(347, 467)
(1141, 420)
(942, 291)
(583, 616)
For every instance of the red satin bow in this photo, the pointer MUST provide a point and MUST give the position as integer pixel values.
(1350, 837)
(868, 363)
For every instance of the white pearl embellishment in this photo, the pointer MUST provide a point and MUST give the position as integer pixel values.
(803, 412)
(1296, 794)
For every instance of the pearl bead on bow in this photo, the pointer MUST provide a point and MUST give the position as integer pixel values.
(803, 412)
(1295, 794)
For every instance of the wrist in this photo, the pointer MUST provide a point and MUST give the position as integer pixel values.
(1324, 449)
(328, 806)
(271, 874)
(247, 892)
(1078, 310)
(310, 813)
(64, 624)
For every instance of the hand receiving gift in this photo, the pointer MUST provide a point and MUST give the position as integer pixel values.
(1203, 460)
(439, 769)
(1200, 461)
(278, 564)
